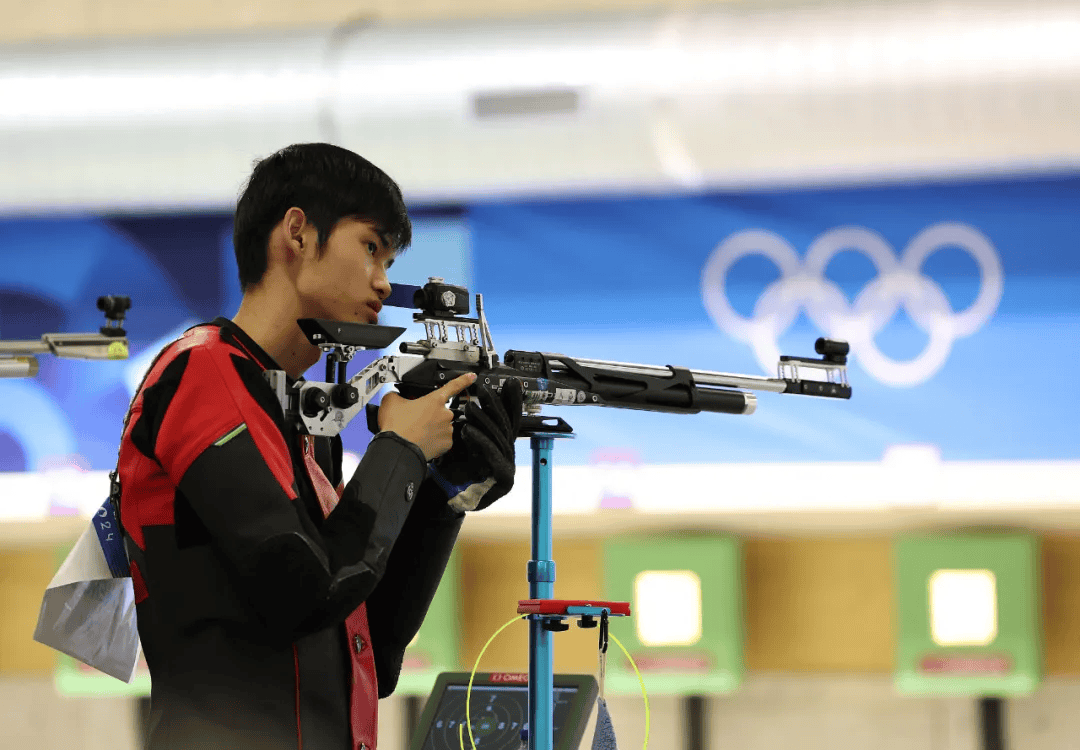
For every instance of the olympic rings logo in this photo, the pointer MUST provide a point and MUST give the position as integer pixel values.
(899, 283)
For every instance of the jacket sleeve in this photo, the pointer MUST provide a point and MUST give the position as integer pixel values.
(228, 458)
(399, 603)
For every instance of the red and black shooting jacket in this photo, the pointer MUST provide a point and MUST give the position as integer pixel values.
(271, 613)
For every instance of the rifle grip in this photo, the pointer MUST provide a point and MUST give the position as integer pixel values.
(372, 411)
(415, 390)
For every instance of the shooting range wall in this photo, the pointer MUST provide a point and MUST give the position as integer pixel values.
(820, 628)
(667, 98)
(839, 589)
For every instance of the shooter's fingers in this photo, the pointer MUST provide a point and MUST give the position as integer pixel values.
(454, 387)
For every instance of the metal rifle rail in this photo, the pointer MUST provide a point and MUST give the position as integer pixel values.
(833, 366)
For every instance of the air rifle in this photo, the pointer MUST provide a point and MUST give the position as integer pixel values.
(455, 344)
(18, 358)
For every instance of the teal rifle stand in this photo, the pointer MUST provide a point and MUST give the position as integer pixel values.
(546, 614)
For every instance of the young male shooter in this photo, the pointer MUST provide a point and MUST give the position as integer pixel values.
(272, 613)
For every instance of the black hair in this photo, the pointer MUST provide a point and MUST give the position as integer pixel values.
(328, 183)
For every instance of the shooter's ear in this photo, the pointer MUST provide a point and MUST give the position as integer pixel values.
(294, 224)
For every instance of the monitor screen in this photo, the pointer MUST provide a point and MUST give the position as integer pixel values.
(498, 713)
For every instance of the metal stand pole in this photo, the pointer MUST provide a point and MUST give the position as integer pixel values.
(414, 706)
(541, 586)
(992, 723)
(696, 724)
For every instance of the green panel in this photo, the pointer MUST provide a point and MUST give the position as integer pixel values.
(435, 648)
(74, 679)
(714, 664)
(1010, 663)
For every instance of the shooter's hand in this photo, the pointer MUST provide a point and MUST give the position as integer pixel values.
(426, 421)
(479, 468)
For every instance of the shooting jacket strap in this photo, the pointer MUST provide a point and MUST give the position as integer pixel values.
(364, 700)
(328, 495)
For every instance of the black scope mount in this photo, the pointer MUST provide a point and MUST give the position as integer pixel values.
(437, 299)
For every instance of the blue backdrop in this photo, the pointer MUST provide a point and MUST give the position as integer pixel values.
(722, 282)
(962, 302)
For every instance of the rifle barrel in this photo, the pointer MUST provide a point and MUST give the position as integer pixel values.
(701, 377)
(620, 385)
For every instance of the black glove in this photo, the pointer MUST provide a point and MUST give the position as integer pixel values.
(479, 467)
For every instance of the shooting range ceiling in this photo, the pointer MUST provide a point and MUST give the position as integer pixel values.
(705, 97)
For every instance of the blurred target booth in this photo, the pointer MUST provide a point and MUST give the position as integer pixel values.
(676, 207)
